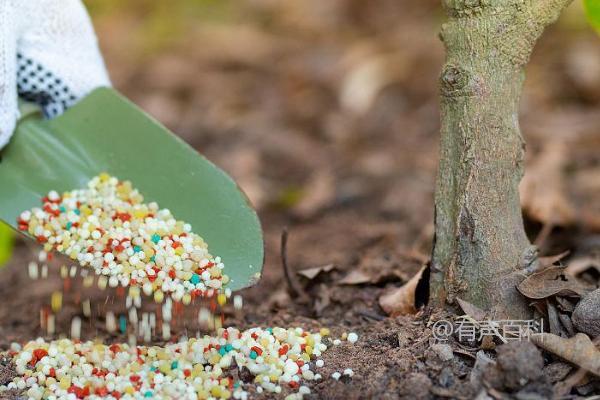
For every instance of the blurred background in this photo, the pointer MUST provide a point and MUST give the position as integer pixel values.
(326, 113)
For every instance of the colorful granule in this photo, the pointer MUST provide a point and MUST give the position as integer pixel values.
(108, 227)
(199, 368)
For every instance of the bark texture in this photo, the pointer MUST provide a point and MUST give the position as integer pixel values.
(480, 244)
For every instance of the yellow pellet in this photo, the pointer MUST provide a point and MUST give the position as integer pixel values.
(88, 281)
(65, 382)
(56, 301)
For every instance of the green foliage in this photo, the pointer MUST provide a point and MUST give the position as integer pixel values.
(592, 10)
(6, 243)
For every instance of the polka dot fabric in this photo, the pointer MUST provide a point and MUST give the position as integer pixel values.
(38, 84)
(49, 55)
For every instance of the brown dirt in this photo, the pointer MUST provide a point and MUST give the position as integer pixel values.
(263, 97)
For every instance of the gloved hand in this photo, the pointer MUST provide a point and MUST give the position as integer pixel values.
(48, 54)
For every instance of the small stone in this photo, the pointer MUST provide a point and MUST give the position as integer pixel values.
(482, 362)
(518, 364)
(443, 351)
(586, 316)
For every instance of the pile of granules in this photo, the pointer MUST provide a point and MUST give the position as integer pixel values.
(108, 227)
(277, 358)
(129, 244)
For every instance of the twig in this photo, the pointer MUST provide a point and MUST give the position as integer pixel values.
(543, 235)
(294, 286)
(370, 315)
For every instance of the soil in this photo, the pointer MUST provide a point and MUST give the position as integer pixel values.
(266, 98)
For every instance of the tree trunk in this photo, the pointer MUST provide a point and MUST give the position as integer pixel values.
(480, 246)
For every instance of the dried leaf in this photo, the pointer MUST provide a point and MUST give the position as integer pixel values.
(551, 260)
(582, 264)
(554, 320)
(557, 371)
(551, 281)
(578, 350)
(367, 77)
(401, 301)
(543, 189)
(382, 262)
(564, 304)
(355, 277)
(471, 310)
(311, 273)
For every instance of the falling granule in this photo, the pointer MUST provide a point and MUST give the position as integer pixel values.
(56, 301)
(33, 270)
(86, 308)
(194, 368)
(51, 325)
(109, 228)
(238, 302)
(76, 328)
(111, 322)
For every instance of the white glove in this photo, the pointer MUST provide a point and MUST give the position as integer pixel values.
(48, 54)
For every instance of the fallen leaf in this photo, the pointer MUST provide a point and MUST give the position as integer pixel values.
(578, 350)
(355, 277)
(543, 189)
(582, 264)
(564, 304)
(551, 260)
(554, 322)
(367, 77)
(471, 310)
(551, 281)
(401, 301)
(383, 262)
(557, 371)
(311, 273)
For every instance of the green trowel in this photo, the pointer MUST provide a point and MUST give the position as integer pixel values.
(105, 132)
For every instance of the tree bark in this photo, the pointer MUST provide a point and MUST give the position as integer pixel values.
(480, 246)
